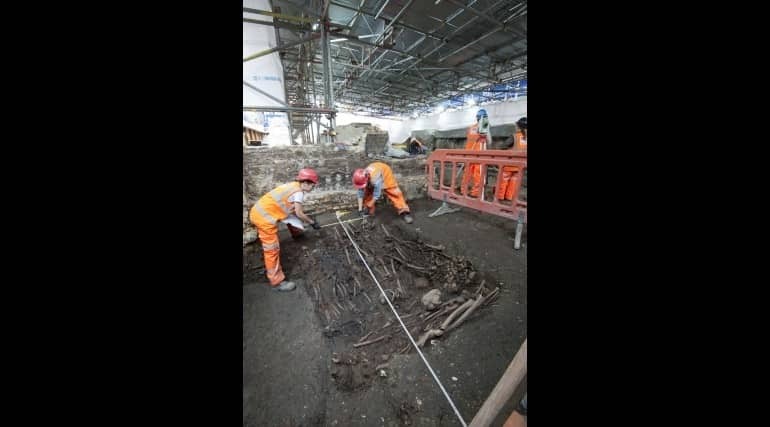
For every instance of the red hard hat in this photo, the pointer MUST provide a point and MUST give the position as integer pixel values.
(307, 174)
(359, 178)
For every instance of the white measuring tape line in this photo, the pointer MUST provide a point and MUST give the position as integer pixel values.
(350, 220)
(460, 417)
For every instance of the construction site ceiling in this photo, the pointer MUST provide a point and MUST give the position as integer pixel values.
(399, 57)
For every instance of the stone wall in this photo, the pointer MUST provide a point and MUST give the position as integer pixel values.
(354, 134)
(264, 168)
(376, 143)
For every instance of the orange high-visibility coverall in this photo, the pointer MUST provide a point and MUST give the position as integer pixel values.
(265, 214)
(474, 141)
(381, 180)
(511, 174)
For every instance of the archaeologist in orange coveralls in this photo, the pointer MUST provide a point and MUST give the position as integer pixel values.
(371, 182)
(284, 204)
(511, 173)
(476, 140)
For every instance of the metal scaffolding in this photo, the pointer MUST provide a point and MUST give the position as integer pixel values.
(391, 58)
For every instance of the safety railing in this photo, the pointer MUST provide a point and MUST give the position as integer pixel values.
(445, 170)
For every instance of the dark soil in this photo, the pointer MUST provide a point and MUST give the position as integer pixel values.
(332, 351)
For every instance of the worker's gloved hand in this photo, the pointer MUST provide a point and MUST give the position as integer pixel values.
(363, 213)
(315, 224)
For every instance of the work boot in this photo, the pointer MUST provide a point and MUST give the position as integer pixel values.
(285, 286)
(408, 218)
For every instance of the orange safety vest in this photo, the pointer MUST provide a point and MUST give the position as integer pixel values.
(275, 206)
(520, 141)
(378, 168)
(475, 140)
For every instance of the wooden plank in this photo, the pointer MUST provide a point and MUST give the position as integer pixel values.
(504, 389)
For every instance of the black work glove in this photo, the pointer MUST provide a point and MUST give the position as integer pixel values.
(315, 224)
(362, 213)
